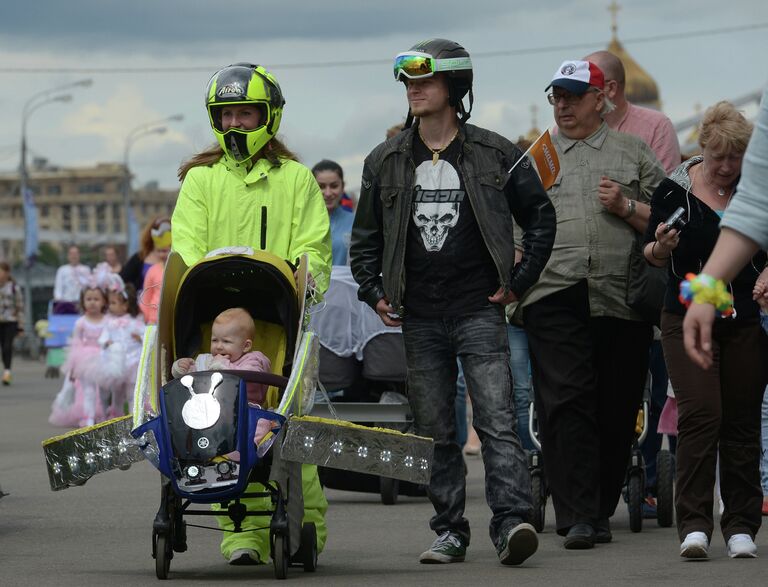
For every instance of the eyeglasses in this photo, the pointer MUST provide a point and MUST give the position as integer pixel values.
(417, 65)
(568, 98)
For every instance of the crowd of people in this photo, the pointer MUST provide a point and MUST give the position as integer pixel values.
(428, 258)
(506, 293)
(115, 302)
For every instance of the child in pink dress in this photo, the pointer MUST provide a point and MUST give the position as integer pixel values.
(120, 342)
(232, 336)
(78, 403)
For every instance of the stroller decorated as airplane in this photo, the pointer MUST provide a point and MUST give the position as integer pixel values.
(198, 430)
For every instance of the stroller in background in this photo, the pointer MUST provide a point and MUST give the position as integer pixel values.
(374, 394)
(362, 365)
(61, 324)
(634, 483)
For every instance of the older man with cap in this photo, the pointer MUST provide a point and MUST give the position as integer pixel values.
(589, 350)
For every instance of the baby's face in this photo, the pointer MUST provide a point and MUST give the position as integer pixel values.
(228, 341)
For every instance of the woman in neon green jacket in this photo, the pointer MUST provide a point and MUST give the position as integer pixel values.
(250, 190)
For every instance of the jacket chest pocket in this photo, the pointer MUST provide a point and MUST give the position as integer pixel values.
(493, 180)
(490, 194)
(627, 179)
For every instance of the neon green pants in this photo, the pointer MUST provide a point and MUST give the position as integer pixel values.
(315, 506)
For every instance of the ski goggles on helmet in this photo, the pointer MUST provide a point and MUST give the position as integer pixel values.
(418, 65)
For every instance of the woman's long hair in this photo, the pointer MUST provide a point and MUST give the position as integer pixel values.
(273, 151)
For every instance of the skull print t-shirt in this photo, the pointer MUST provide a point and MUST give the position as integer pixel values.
(448, 269)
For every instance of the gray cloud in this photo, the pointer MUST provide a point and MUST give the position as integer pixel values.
(113, 25)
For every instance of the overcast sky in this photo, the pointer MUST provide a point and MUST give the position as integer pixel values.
(335, 111)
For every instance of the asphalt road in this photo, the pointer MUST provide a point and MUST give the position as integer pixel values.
(100, 533)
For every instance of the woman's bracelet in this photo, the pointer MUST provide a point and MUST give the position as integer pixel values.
(653, 247)
(705, 289)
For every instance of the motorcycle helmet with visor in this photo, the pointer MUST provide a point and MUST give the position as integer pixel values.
(433, 56)
(244, 84)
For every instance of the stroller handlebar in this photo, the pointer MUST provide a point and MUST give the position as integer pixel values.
(257, 377)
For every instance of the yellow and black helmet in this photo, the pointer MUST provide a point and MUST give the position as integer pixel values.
(244, 83)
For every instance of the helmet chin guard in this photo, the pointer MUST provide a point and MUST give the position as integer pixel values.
(244, 84)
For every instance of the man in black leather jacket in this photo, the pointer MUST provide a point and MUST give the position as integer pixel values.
(432, 250)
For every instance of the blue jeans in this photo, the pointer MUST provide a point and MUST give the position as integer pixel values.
(479, 339)
(520, 363)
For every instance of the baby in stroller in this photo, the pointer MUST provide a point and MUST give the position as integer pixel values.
(232, 335)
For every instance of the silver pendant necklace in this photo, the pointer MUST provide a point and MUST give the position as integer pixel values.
(720, 190)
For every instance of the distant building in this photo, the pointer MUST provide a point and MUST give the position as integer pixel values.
(81, 205)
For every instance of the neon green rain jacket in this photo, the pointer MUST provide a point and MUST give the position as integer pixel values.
(277, 208)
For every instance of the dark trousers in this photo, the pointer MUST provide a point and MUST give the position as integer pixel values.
(588, 380)
(8, 332)
(718, 414)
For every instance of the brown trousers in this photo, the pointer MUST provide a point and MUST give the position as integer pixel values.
(718, 414)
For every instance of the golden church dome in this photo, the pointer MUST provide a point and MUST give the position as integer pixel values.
(639, 88)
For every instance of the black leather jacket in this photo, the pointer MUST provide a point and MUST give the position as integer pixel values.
(380, 229)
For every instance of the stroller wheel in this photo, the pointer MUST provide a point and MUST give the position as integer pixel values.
(163, 555)
(665, 479)
(539, 495)
(635, 501)
(389, 489)
(280, 556)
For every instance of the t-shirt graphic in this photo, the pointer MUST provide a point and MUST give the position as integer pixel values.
(436, 198)
(448, 269)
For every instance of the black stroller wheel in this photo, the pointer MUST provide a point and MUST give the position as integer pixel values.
(389, 489)
(539, 495)
(635, 501)
(280, 556)
(163, 555)
(665, 480)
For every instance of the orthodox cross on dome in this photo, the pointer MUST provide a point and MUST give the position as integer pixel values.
(614, 8)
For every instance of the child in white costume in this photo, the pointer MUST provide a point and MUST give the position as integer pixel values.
(120, 343)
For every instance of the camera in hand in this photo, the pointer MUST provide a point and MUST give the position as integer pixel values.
(675, 221)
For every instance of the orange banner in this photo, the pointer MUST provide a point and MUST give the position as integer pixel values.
(545, 157)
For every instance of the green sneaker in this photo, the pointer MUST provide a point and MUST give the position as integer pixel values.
(447, 548)
(518, 544)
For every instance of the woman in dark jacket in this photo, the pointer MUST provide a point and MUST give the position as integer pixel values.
(719, 408)
(11, 316)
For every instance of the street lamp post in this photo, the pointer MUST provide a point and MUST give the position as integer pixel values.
(150, 128)
(32, 104)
